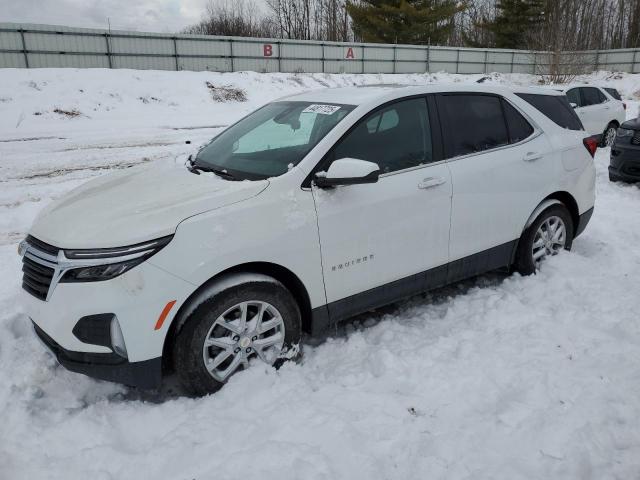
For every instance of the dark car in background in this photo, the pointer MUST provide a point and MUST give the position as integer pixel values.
(625, 153)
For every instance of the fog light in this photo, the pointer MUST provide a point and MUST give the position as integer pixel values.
(117, 340)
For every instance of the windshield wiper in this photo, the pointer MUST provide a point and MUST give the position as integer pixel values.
(197, 168)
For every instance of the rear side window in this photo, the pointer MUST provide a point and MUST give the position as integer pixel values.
(614, 93)
(555, 107)
(519, 128)
(474, 123)
(592, 96)
(574, 97)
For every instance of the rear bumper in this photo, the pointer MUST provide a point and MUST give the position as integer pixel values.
(583, 221)
(146, 374)
(625, 163)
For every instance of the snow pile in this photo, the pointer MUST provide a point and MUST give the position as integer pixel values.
(498, 377)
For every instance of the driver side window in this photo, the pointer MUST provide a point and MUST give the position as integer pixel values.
(395, 137)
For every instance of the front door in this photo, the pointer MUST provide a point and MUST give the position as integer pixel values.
(378, 240)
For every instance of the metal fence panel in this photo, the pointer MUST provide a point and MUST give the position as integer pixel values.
(46, 60)
(203, 47)
(10, 41)
(143, 63)
(30, 45)
(410, 54)
(12, 60)
(296, 50)
(58, 42)
(198, 64)
(378, 66)
(300, 66)
(342, 66)
(144, 46)
(410, 67)
(378, 53)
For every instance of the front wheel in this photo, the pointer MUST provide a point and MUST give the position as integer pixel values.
(255, 321)
(549, 234)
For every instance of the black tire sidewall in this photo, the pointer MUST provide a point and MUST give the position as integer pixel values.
(188, 360)
(524, 260)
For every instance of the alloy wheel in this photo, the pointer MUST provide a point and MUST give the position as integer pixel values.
(550, 238)
(610, 136)
(248, 330)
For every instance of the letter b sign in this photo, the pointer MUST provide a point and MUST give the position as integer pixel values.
(267, 50)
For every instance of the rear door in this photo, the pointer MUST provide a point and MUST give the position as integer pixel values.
(594, 111)
(499, 168)
(385, 234)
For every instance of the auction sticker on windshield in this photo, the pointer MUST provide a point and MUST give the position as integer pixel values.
(321, 109)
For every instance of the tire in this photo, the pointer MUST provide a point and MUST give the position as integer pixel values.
(613, 178)
(234, 349)
(525, 262)
(609, 135)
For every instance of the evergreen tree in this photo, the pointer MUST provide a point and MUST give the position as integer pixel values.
(403, 21)
(515, 22)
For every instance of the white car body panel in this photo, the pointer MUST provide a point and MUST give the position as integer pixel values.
(377, 233)
(484, 200)
(134, 206)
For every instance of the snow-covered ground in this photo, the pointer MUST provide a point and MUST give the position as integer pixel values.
(498, 377)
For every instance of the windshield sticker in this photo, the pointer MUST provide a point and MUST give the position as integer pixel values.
(321, 109)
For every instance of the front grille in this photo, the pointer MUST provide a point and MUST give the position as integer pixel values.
(37, 278)
(43, 247)
(38, 267)
(636, 138)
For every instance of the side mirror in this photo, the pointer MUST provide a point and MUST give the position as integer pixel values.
(573, 105)
(348, 171)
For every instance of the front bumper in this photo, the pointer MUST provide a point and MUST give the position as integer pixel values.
(625, 163)
(137, 298)
(106, 366)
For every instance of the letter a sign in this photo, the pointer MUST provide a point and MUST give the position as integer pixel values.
(350, 53)
(267, 50)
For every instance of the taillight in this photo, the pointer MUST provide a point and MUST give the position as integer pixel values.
(591, 144)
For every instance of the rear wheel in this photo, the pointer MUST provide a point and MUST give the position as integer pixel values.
(609, 135)
(549, 234)
(256, 321)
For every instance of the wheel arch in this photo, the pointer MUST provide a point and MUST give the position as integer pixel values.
(562, 197)
(282, 274)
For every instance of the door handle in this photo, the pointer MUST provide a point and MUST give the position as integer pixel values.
(532, 156)
(431, 182)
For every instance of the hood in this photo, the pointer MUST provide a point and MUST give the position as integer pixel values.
(136, 205)
(633, 124)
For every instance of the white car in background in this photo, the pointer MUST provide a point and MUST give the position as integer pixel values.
(310, 210)
(599, 110)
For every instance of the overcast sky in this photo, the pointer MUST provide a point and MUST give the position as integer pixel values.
(142, 15)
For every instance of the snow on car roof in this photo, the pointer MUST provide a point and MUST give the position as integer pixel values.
(359, 95)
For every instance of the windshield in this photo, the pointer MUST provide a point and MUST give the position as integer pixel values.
(272, 139)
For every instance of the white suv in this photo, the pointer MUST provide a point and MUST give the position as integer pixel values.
(598, 109)
(310, 210)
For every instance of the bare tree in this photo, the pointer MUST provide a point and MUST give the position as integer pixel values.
(234, 18)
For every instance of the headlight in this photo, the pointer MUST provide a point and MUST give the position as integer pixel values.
(107, 263)
(625, 132)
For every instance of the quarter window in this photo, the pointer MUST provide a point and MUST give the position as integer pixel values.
(556, 108)
(396, 137)
(519, 128)
(474, 123)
